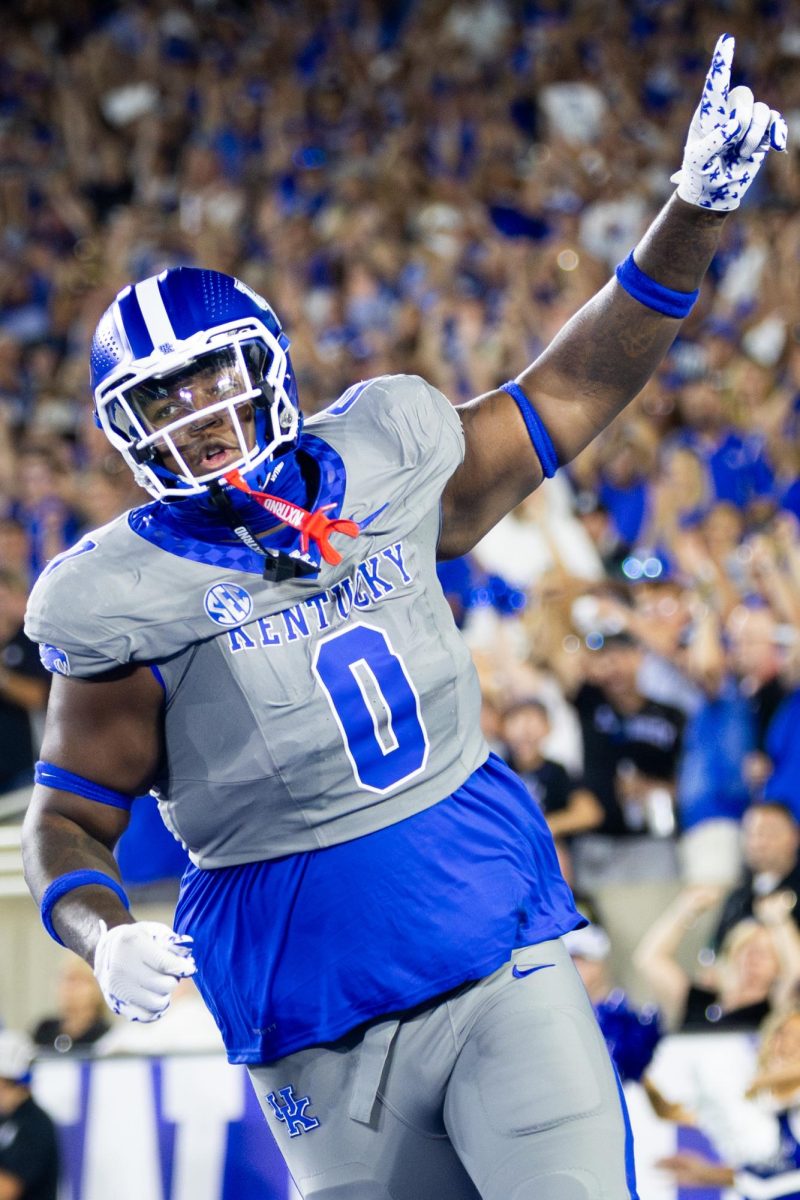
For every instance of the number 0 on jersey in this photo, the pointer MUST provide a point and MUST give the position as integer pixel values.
(375, 705)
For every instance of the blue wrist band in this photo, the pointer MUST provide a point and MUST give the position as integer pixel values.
(56, 777)
(540, 438)
(67, 883)
(654, 295)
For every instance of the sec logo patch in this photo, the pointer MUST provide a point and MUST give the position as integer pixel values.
(228, 604)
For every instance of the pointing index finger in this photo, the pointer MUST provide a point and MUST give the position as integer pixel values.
(713, 105)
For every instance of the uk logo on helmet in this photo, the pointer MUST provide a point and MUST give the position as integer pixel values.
(228, 604)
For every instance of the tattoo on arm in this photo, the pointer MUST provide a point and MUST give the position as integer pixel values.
(637, 342)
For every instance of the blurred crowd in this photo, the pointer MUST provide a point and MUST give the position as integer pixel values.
(435, 186)
(429, 187)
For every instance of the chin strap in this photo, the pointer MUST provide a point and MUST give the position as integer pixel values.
(314, 526)
(278, 566)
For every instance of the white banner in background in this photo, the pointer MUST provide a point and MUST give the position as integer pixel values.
(187, 1128)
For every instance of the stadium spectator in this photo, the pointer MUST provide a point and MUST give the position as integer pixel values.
(738, 663)
(82, 1015)
(771, 854)
(757, 968)
(24, 685)
(737, 468)
(759, 1142)
(28, 1142)
(15, 552)
(631, 747)
(712, 789)
(782, 755)
(757, 658)
(596, 519)
(541, 535)
(631, 1034)
(41, 506)
(304, 180)
(626, 471)
(656, 612)
(568, 808)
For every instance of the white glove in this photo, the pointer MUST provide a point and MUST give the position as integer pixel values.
(728, 138)
(138, 967)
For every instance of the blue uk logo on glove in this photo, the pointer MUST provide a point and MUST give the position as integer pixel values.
(728, 138)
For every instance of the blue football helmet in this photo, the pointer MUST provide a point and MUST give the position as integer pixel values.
(191, 378)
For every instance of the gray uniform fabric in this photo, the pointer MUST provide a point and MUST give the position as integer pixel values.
(503, 1090)
(242, 679)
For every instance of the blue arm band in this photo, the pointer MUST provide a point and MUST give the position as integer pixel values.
(654, 295)
(67, 883)
(56, 777)
(539, 436)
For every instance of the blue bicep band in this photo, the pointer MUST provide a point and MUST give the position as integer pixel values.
(52, 776)
(540, 438)
(67, 883)
(654, 295)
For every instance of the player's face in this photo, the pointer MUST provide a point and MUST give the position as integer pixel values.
(193, 409)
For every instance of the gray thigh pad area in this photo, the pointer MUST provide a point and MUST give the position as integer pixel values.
(529, 1080)
(533, 1108)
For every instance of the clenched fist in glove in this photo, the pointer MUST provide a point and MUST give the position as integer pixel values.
(138, 967)
(729, 136)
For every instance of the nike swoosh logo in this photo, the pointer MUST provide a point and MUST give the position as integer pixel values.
(515, 971)
(368, 520)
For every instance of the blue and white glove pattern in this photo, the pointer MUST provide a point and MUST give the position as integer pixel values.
(139, 966)
(728, 139)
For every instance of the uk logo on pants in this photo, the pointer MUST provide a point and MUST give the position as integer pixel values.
(292, 1111)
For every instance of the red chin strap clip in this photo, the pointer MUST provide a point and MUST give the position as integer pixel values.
(311, 525)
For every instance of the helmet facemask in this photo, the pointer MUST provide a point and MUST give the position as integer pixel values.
(223, 400)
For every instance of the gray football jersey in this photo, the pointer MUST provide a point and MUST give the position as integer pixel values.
(308, 712)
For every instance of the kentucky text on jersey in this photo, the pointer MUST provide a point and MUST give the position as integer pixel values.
(377, 577)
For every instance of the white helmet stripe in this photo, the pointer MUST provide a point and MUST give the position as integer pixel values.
(155, 315)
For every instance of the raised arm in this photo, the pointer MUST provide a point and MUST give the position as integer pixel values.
(655, 956)
(606, 353)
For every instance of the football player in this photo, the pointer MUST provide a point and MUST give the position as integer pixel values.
(374, 909)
